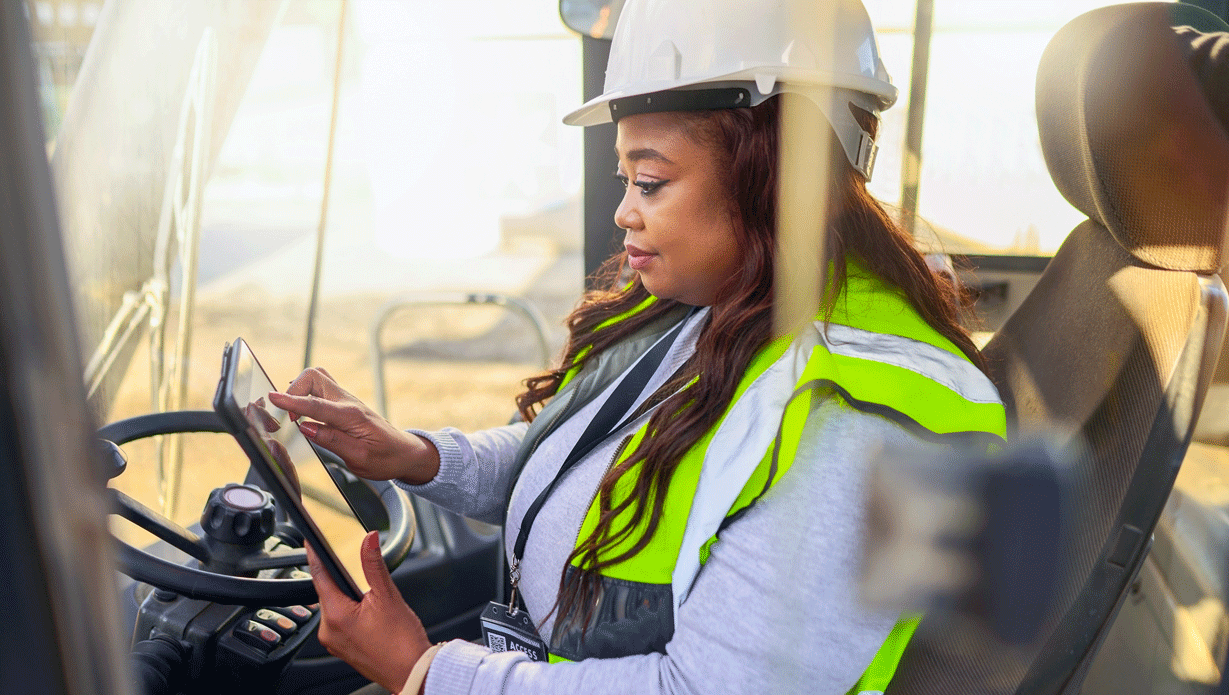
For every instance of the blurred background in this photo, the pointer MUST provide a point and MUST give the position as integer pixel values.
(197, 181)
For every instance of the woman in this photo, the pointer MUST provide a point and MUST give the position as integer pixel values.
(704, 536)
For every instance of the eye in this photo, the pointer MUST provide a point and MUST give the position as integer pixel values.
(649, 187)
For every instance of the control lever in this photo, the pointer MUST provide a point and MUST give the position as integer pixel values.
(113, 460)
(159, 665)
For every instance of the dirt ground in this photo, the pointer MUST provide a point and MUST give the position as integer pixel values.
(457, 366)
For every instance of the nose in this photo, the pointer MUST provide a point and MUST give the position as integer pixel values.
(627, 216)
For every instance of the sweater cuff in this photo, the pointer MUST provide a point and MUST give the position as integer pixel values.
(454, 667)
(450, 462)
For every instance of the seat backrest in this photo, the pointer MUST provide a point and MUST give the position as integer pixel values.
(1208, 58)
(1114, 348)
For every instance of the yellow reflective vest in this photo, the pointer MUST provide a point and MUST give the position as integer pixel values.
(877, 355)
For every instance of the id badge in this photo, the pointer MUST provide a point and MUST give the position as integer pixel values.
(503, 631)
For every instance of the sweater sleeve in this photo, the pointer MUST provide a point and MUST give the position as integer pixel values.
(775, 609)
(475, 477)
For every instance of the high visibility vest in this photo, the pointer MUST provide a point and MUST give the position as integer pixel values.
(877, 355)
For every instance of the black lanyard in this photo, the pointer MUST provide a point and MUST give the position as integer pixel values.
(602, 425)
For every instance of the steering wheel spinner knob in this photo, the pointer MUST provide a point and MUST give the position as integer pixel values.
(238, 515)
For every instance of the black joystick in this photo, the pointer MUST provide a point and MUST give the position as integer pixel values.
(238, 515)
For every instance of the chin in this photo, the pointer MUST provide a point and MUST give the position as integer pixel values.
(657, 289)
(681, 297)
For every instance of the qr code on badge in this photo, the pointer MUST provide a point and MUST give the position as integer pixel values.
(497, 643)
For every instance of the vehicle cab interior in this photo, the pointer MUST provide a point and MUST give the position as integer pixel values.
(173, 177)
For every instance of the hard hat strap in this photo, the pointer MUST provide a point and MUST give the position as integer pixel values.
(868, 151)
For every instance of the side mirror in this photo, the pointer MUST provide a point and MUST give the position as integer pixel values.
(594, 18)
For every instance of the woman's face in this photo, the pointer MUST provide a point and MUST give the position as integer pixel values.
(679, 217)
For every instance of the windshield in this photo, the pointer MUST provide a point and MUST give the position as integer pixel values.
(984, 186)
(203, 155)
(191, 147)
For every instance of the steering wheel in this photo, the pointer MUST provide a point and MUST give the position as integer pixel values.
(208, 585)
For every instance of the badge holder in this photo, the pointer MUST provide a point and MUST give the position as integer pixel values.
(509, 628)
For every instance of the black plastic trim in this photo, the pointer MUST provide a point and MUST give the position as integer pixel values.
(680, 100)
(1006, 264)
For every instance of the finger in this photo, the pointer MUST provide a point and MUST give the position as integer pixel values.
(313, 381)
(312, 406)
(347, 448)
(331, 597)
(378, 578)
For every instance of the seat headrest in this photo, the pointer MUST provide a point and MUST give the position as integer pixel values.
(1130, 140)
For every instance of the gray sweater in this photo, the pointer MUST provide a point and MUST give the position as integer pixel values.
(775, 609)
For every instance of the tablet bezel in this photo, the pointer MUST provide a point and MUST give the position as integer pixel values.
(228, 409)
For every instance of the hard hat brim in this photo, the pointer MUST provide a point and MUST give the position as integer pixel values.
(593, 112)
(597, 110)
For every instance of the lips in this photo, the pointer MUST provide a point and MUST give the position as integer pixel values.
(638, 258)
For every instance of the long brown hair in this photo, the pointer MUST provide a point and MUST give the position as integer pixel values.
(738, 326)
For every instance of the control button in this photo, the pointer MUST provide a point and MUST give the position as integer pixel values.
(299, 614)
(313, 607)
(244, 498)
(299, 574)
(277, 621)
(239, 515)
(257, 635)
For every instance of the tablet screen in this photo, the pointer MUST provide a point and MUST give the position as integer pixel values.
(322, 483)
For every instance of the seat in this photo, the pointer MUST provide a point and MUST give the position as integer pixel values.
(1208, 61)
(1113, 350)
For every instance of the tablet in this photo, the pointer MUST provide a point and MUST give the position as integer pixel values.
(281, 455)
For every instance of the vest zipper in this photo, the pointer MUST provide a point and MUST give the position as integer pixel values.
(618, 452)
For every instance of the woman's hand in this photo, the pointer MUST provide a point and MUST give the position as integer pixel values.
(370, 446)
(379, 636)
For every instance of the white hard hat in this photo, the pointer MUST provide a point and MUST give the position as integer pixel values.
(672, 55)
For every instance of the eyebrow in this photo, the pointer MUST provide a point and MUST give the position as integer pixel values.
(644, 153)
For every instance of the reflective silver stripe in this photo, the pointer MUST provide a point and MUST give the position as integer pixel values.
(748, 429)
(953, 371)
(733, 454)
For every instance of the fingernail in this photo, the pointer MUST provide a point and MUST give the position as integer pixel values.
(308, 428)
